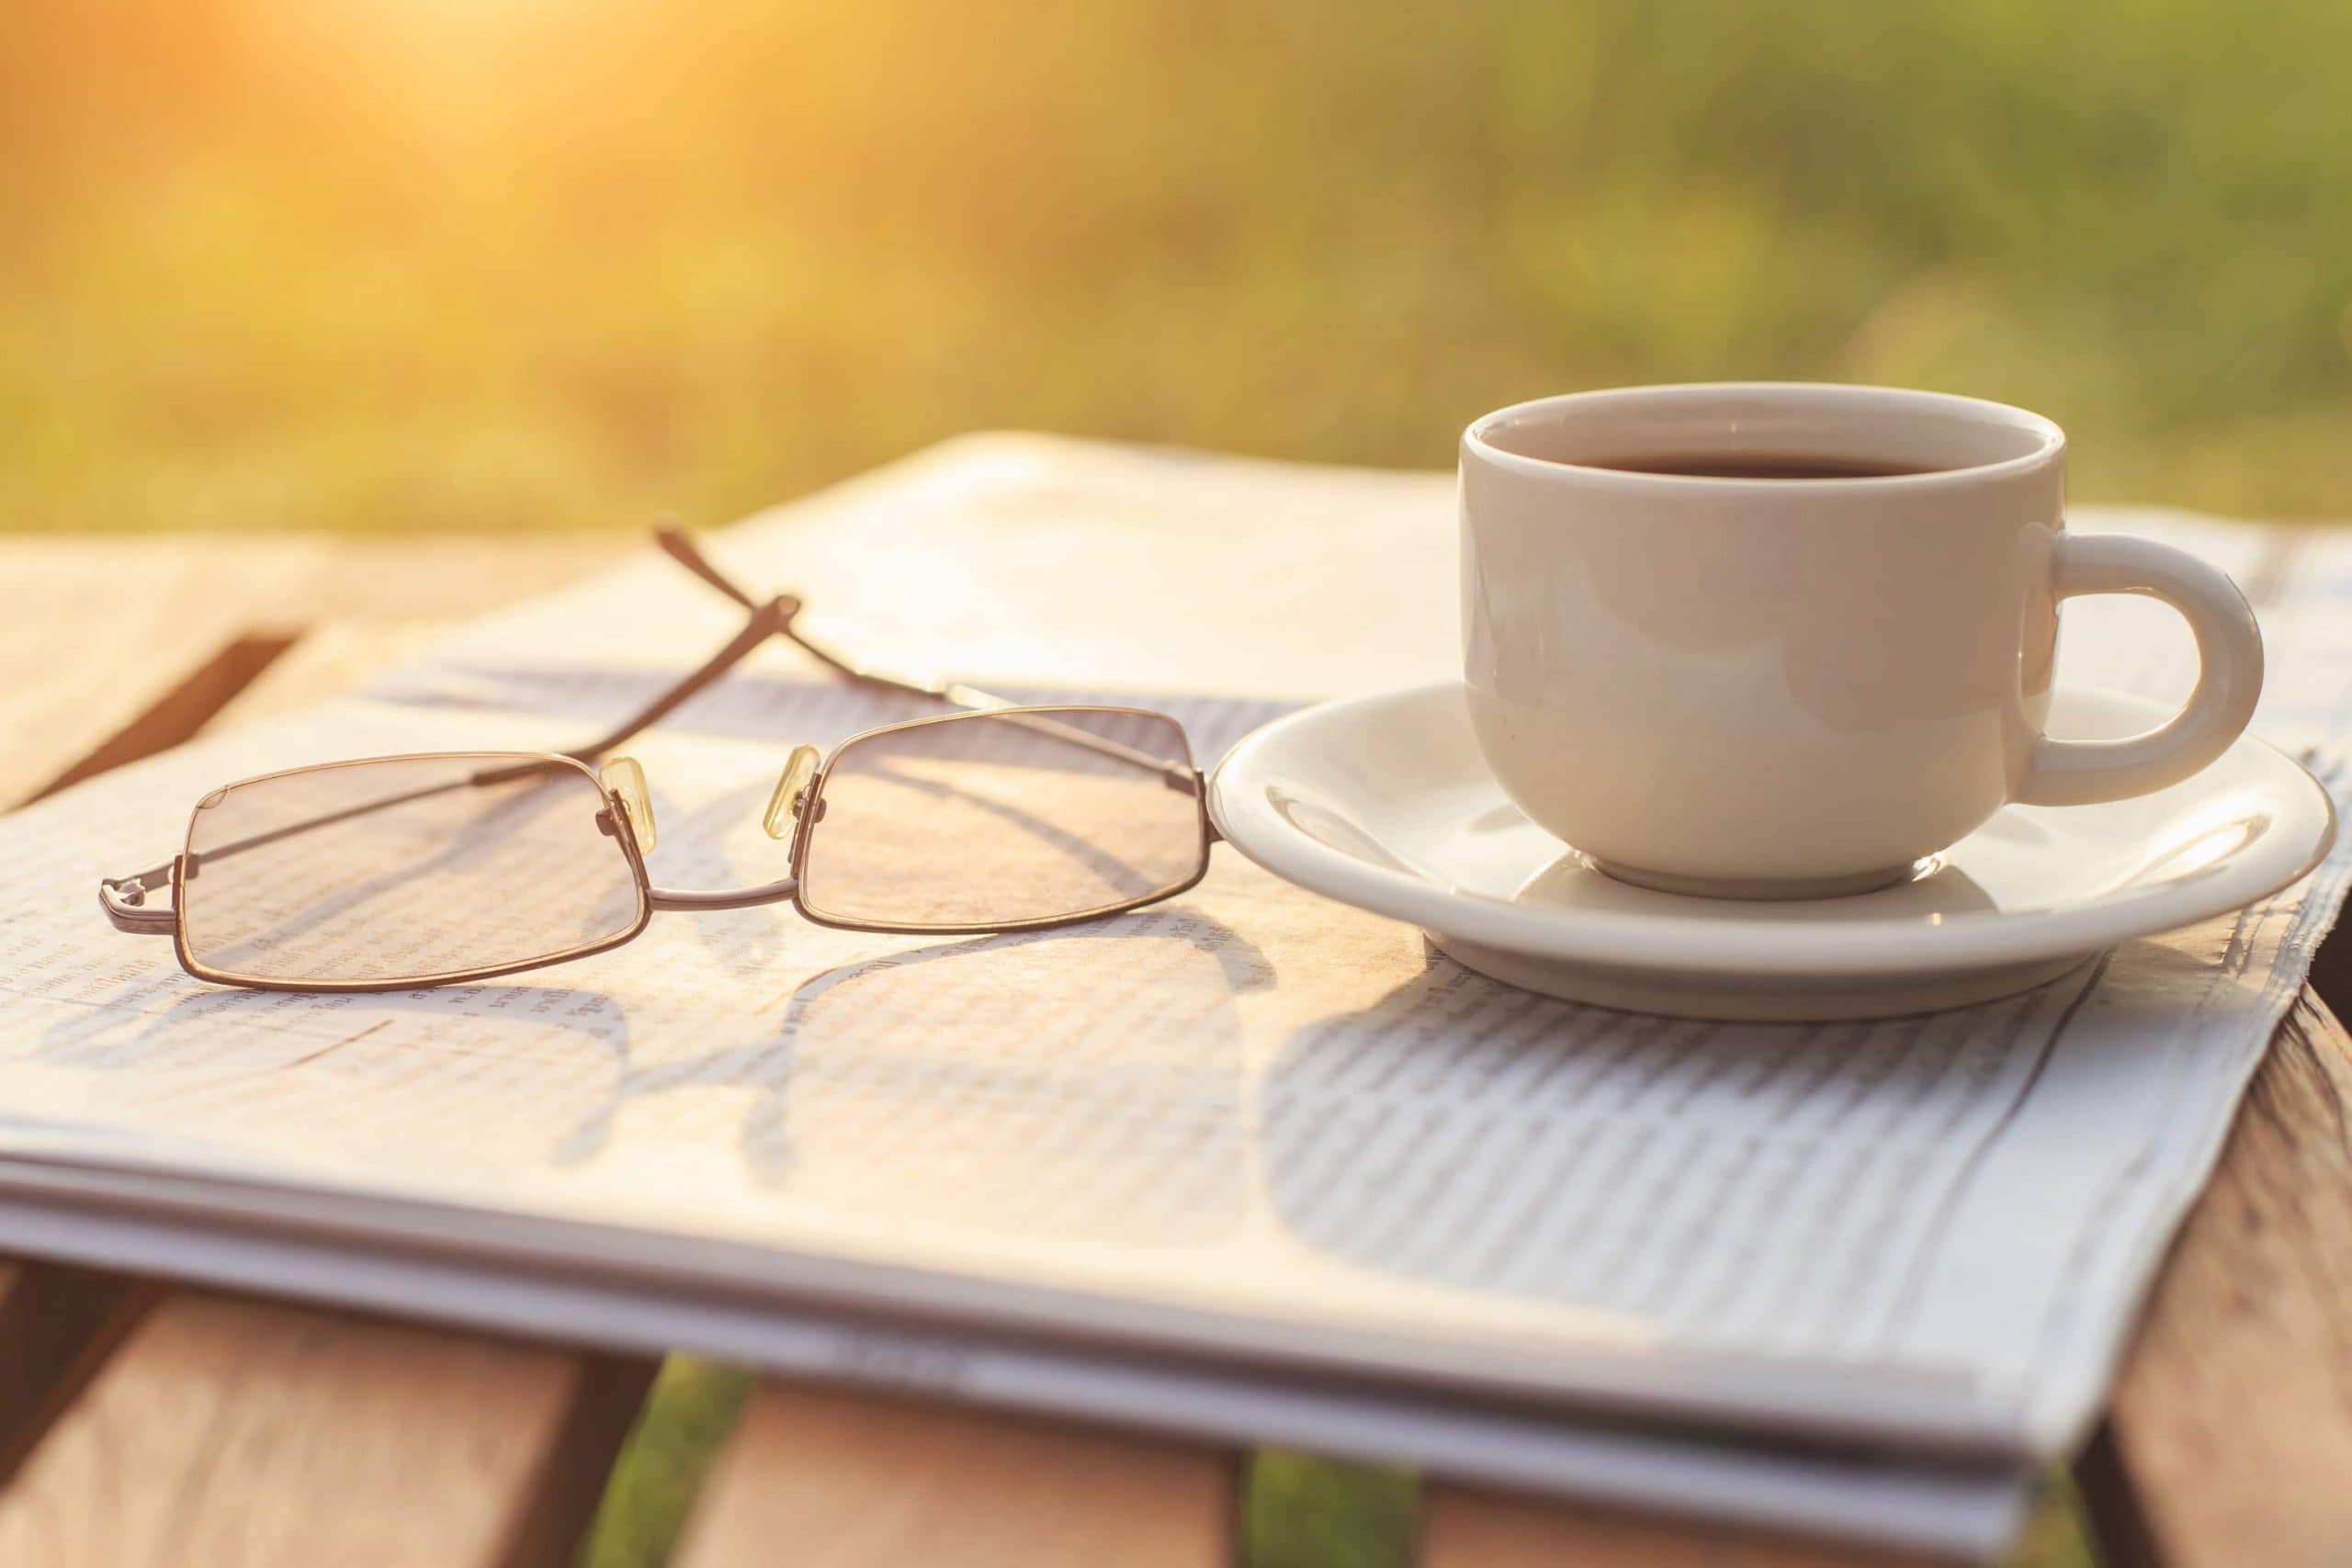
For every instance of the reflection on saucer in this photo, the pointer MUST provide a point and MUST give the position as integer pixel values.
(1936, 888)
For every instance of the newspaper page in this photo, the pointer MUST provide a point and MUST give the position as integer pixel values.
(1250, 1125)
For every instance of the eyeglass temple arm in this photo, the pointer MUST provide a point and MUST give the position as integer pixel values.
(771, 617)
(767, 620)
(682, 548)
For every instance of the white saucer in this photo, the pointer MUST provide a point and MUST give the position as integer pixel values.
(1384, 803)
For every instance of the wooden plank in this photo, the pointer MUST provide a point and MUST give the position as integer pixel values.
(123, 633)
(854, 1481)
(229, 1432)
(2230, 1437)
(1465, 1528)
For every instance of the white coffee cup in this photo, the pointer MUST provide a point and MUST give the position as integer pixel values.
(1797, 687)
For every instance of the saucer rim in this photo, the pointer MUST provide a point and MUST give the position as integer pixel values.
(1666, 942)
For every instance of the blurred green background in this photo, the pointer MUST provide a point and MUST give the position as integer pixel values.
(530, 263)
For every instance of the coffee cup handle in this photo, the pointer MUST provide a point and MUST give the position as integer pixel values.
(2229, 678)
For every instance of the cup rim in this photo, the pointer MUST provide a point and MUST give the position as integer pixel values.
(2051, 441)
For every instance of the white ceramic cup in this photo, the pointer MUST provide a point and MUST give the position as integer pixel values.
(1799, 687)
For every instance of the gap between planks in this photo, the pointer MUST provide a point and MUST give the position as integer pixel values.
(121, 646)
(58, 1323)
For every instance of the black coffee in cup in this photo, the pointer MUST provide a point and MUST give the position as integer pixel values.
(1757, 466)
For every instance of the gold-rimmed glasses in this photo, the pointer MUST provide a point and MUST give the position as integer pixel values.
(395, 873)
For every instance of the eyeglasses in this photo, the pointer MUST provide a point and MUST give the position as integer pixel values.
(395, 873)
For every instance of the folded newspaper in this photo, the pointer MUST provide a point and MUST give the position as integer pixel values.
(1252, 1165)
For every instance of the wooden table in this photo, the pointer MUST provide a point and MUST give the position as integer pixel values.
(139, 1423)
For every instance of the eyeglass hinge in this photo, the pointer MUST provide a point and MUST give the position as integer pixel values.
(124, 899)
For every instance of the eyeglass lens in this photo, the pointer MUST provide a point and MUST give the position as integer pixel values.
(988, 819)
(403, 868)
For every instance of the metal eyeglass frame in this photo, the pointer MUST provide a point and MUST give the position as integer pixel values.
(794, 808)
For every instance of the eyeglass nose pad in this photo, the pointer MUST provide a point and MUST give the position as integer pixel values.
(624, 780)
(784, 805)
